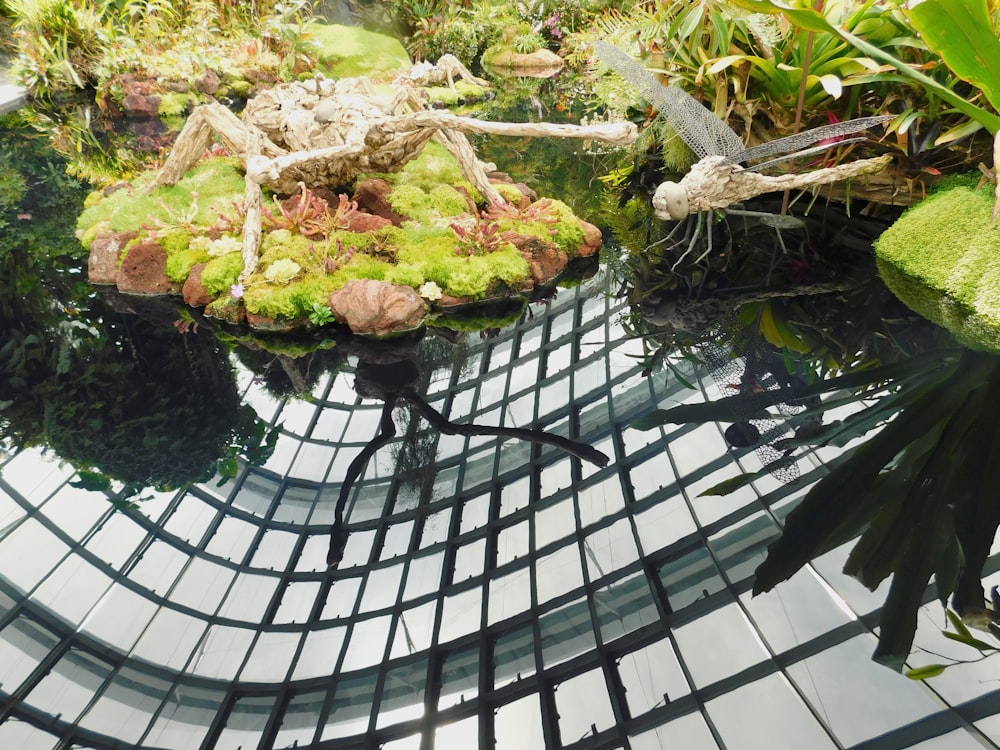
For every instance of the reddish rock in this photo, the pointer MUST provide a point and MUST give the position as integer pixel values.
(593, 238)
(372, 196)
(377, 307)
(529, 195)
(143, 271)
(228, 310)
(138, 105)
(541, 63)
(178, 87)
(546, 260)
(208, 83)
(193, 291)
(273, 325)
(102, 265)
(448, 300)
(360, 222)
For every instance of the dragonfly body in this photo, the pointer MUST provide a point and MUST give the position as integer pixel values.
(717, 182)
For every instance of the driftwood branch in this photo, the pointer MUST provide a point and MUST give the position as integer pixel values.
(252, 205)
(617, 134)
(205, 123)
(472, 168)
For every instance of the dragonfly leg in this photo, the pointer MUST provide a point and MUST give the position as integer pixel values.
(709, 219)
(695, 235)
(670, 236)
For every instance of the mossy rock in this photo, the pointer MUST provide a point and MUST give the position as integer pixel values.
(349, 51)
(217, 183)
(942, 259)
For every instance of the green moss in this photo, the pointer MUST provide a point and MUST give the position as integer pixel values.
(350, 51)
(88, 236)
(174, 104)
(509, 192)
(448, 201)
(568, 230)
(291, 300)
(464, 91)
(180, 263)
(240, 87)
(470, 277)
(426, 207)
(217, 182)
(221, 273)
(362, 266)
(473, 322)
(942, 258)
(282, 244)
(176, 241)
(435, 166)
(224, 308)
(463, 275)
(408, 274)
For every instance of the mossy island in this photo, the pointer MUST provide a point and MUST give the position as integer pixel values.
(420, 235)
(941, 259)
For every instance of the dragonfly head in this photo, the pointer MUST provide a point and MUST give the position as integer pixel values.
(670, 201)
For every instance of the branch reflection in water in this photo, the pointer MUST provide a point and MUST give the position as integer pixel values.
(393, 382)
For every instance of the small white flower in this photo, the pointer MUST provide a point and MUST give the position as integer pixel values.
(430, 291)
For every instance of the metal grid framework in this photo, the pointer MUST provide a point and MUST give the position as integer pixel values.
(517, 597)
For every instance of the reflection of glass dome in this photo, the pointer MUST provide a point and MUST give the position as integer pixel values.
(519, 595)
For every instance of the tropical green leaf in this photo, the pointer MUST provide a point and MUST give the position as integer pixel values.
(956, 622)
(962, 33)
(970, 641)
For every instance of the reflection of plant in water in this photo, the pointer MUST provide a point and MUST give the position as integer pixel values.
(812, 286)
(148, 408)
(963, 635)
(103, 394)
(918, 490)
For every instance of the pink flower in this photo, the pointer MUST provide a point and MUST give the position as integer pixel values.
(236, 290)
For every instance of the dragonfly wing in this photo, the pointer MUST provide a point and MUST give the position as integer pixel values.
(799, 141)
(697, 126)
(804, 152)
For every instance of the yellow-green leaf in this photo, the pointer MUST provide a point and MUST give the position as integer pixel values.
(924, 673)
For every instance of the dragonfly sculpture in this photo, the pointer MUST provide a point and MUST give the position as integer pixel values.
(718, 179)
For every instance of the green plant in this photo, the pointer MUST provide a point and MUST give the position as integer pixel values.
(527, 43)
(321, 314)
(478, 232)
(915, 489)
(59, 43)
(960, 30)
(305, 214)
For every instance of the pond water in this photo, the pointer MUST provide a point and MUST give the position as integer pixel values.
(518, 588)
